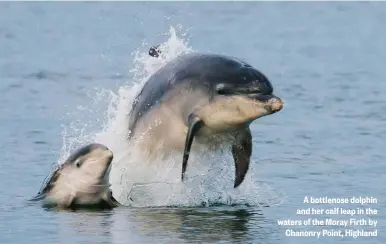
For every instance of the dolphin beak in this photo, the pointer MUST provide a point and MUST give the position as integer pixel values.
(275, 104)
(272, 102)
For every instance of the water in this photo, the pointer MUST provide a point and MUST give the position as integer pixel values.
(67, 72)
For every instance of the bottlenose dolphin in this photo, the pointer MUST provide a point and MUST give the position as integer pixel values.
(201, 100)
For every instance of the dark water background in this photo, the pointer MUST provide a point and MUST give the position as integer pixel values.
(326, 60)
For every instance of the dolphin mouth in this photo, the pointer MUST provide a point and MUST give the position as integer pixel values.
(106, 173)
(109, 160)
(271, 102)
(260, 97)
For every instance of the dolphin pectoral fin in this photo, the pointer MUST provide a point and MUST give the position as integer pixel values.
(112, 200)
(242, 151)
(195, 123)
(38, 197)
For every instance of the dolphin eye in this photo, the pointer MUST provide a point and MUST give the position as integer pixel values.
(223, 89)
(78, 163)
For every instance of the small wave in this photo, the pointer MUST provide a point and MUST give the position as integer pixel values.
(45, 75)
(50, 75)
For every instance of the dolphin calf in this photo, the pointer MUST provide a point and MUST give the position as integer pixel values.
(82, 181)
(201, 100)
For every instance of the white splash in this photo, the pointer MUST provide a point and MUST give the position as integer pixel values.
(209, 177)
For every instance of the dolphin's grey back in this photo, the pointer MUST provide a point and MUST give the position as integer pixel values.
(203, 69)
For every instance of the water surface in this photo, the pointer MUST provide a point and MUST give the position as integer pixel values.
(326, 60)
